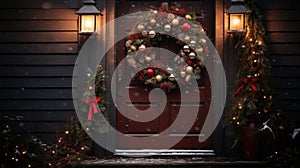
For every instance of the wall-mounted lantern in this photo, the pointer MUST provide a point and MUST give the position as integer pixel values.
(87, 17)
(236, 16)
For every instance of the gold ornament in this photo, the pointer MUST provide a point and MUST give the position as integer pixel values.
(142, 47)
(182, 74)
(140, 27)
(171, 16)
(131, 62)
(128, 43)
(188, 78)
(199, 50)
(133, 47)
(158, 78)
(187, 39)
(189, 69)
(153, 22)
(148, 59)
(189, 17)
(202, 41)
(175, 22)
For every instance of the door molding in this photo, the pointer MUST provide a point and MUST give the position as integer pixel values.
(109, 12)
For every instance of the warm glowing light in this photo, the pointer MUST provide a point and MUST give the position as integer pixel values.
(238, 123)
(29, 165)
(16, 159)
(259, 42)
(236, 22)
(53, 151)
(265, 97)
(24, 152)
(82, 148)
(234, 118)
(87, 23)
(66, 132)
(240, 106)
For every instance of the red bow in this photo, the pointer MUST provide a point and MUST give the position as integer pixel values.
(245, 81)
(93, 106)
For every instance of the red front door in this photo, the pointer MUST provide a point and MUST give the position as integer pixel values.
(139, 95)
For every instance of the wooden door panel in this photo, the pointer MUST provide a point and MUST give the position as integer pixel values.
(186, 107)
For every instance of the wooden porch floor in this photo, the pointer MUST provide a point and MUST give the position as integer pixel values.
(188, 162)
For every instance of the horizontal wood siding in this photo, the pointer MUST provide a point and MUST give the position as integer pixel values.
(282, 22)
(38, 50)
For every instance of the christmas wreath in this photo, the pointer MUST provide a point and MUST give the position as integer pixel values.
(141, 47)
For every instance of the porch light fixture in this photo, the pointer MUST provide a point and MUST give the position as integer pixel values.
(236, 16)
(87, 17)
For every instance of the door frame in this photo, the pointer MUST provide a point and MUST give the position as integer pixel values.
(109, 12)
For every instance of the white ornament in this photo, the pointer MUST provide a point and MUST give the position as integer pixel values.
(167, 28)
(152, 34)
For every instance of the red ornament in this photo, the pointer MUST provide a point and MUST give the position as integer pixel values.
(150, 72)
(185, 26)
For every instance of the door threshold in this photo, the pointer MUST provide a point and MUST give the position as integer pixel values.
(163, 152)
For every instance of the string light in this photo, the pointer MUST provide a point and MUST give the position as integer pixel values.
(29, 165)
(66, 132)
(259, 42)
(82, 148)
(240, 106)
(24, 152)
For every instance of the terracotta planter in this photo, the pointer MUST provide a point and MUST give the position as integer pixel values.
(251, 143)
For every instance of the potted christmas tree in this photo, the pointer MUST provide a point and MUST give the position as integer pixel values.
(251, 110)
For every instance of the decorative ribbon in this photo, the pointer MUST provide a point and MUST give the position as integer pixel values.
(93, 106)
(246, 80)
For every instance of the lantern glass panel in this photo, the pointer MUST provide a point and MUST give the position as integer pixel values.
(87, 23)
(236, 22)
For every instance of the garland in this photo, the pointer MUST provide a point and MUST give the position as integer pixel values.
(143, 59)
